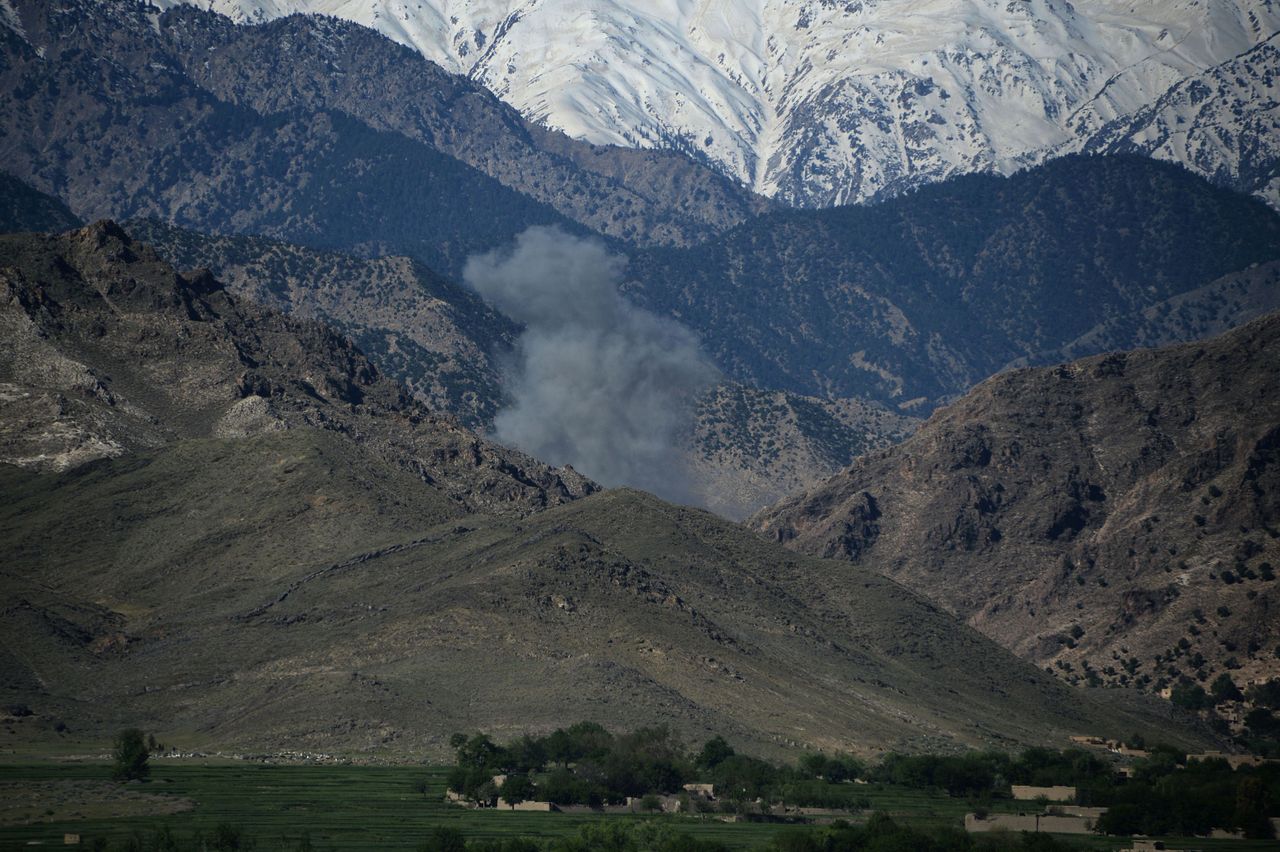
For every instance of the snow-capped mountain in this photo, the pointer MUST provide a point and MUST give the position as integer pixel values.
(822, 102)
(1223, 123)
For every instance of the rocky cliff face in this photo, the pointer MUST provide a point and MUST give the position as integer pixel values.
(106, 350)
(1115, 518)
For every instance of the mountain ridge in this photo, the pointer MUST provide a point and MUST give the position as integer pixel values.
(360, 144)
(336, 627)
(914, 300)
(819, 103)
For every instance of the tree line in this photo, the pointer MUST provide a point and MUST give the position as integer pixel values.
(587, 764)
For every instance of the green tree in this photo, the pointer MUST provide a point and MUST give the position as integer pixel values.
(131, 756)
(713, 753)
(1251, 808)
(1224, 689)
(1189, 695)
(517, 789)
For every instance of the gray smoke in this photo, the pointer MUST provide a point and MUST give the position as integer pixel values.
(595, 381)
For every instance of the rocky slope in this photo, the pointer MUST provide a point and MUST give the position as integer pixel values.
(915, 300)
(226, 526)
(819, 102)
(435, 337)
(748, 448)
(752, 447)
(106, 350)
(288, 591)
(1115, 518)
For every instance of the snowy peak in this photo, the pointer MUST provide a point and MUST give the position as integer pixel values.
(820, 102)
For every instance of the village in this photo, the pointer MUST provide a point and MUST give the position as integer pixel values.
(1112, 777)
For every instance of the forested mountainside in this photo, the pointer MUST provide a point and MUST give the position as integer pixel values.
(915, 300)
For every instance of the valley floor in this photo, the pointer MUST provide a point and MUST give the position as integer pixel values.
(360, 807)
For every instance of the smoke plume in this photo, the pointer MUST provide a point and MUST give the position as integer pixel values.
(595, 381)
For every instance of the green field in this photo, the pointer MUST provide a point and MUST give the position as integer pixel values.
(371, 807)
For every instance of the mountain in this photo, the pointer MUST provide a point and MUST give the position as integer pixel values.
(1217, 307)
(106, 350)
(317, 63)
(752, 447)
(914, 300)
(816, 102)
(226, 526)
(317, 132)
(1223, 123)
(747, 448)
(123, 112)
(1117, 518)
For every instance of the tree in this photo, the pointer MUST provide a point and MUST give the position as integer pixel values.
(1266, 694)
(1225, 689)
(1189, 695)
(479, 752)
(1251, 808)
(713, 753)
(131, 756)
(517, 789)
